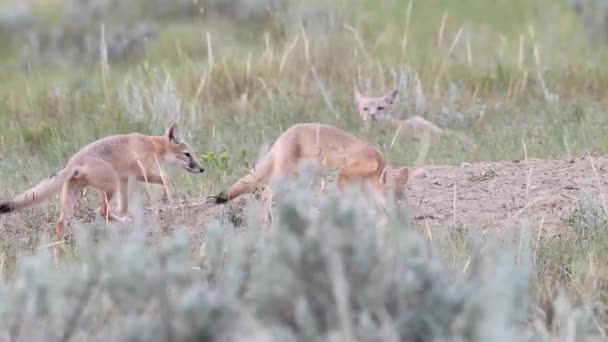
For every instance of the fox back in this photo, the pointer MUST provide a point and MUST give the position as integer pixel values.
(135, 151)
(328, 145)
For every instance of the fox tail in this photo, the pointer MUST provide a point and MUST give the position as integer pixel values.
(260, 173)
(40, 192)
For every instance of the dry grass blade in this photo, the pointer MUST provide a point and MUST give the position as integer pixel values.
(287, 52)
(598, 183)
(210, 56)
(478, 83)
(406, 30)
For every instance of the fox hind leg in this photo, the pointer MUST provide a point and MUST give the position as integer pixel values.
(102, 176)
(69, 196)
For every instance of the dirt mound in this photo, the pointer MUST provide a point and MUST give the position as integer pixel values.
(484, 195)
(500, 195)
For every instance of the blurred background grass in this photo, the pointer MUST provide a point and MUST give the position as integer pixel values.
(237, 72)
(509, 78)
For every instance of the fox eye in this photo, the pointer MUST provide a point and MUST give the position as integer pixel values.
(188, 155)
(380, 108)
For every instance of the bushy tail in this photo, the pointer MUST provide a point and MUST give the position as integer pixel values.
(260, 173)
(40, 192)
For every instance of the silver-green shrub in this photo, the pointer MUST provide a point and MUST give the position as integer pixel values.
(324, 270)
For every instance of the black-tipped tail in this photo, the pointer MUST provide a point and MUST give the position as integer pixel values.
(6, 207)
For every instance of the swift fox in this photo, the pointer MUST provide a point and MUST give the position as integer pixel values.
(375, 108)
(328, 145)
(107, 164)
(379, 109)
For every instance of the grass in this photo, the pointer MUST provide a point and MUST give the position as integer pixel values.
(237, 86)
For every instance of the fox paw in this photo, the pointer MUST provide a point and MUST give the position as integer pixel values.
(219, 198)
(125, 219)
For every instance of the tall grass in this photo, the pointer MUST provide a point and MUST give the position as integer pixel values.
(500, 75)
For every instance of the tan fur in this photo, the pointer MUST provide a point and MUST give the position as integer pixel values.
(379, 109)
(375, 108)
(107, 164)
(331, 147)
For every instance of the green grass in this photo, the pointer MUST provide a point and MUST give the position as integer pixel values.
(48, 114)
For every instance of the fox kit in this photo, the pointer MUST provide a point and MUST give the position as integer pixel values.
(329, 146)
(107, 164)
(375, 108)
(379, 109)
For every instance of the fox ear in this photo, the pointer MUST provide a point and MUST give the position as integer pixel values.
(172, 132)
(403, 175)
(400, 176)
(391, 97)
(357, 94)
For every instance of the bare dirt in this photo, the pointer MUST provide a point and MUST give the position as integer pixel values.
(504, 194)
(494, 195)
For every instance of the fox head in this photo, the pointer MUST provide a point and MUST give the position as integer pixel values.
(396, 180)
(178, 152)
(375, 108)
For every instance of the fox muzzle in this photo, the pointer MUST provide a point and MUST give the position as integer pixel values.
(6, 207)
(195, 168)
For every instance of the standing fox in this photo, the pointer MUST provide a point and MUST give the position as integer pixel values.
(107, 164)
(328, 145)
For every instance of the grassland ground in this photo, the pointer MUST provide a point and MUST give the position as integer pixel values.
(519, 86)
(485, 195)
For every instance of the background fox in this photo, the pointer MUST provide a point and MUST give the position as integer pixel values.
(375, 108)
(330, 146)
(107, 164)
(379, 109)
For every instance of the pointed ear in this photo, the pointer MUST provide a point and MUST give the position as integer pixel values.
(172, 132)
(357, 95)
(399, 176)
(391, 97)
(403, 175)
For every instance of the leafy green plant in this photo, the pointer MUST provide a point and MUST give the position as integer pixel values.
(221, 162)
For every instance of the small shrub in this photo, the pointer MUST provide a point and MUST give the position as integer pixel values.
(318, 275)
(589, 218)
